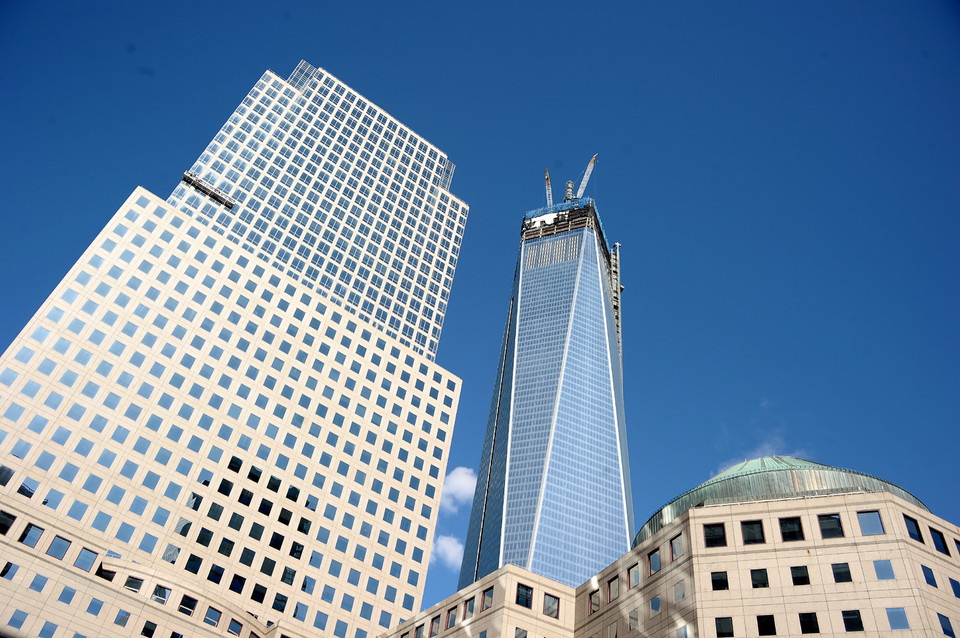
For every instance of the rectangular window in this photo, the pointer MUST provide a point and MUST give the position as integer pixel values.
(714, 535)
(187, 605)
(551, 606)
(486, 600)
(212, 616)
(122, 617)
(525, 596)
(870, 523)
(451, 617)
(913, 528)
(520, 633)
(928, 576)
(939, 542)
(884, 569)
(58, 547)
(809, 623)
(633, 620)
(160, 594)
(830, 526)
(654, 606)
(724, 627)
(800, 575)
(852, 620)
(897, 617)
(676, 547)
(6, 518)
(30, 535)
(593, 602)
(841, 573)
(9, 570)
(766, 626)
(133, 584)
(434, 626)
(752, 532)
(791, 529)
(653, 562)
(945, 626)
(955, 585)
(468, 609)
(85, 559)
(633, 575)
(679, 592)
(719, 581)
(66, 595)
(759, 578)
(613, 589)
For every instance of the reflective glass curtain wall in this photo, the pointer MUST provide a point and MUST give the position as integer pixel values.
(553, 489)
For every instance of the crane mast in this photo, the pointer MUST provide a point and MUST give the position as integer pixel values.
(586, 177)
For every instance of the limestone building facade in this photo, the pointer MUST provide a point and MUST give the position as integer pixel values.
(772, 547)
(226, 419)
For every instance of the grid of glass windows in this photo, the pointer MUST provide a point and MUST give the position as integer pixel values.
(216, 367)
(331, 190)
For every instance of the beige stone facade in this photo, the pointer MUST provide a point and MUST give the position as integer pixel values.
(193, 445)
(823, 565)
(509, 602)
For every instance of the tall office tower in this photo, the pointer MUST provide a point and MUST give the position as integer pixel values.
(553, 487)
(226, 419)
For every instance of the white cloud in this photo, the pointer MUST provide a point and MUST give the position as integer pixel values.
(774, 444)
(458, 489)
(448, 551)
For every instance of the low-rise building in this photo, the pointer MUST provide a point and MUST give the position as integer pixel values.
(775, 546)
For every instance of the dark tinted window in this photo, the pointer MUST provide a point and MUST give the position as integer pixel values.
(752, 532)
(714, 535)
(725, 627)
(809, 624)
(766, 626)
(852, 620)
(719, 580)
(913, 528)
(830, 526)
(791, 529)
(841, 573)
(800, 575)
(759, 578)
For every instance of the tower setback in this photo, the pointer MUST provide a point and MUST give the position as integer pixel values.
(226, 419)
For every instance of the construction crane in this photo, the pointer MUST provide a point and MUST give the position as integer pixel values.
(586, 176)
(549, 189)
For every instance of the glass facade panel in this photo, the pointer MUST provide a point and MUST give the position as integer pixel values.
(557, 415)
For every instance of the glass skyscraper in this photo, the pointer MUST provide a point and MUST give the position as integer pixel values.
(553, 486)
(226, 419)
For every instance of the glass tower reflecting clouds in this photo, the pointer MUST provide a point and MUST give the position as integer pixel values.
(553, 486)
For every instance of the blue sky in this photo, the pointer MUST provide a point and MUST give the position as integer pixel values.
(784, 178)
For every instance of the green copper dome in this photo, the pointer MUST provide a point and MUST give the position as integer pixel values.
(766, 479)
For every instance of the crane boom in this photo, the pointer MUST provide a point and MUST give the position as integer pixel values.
(586, 177)
(549, 189)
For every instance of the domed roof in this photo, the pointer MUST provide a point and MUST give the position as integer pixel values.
(770, 478)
